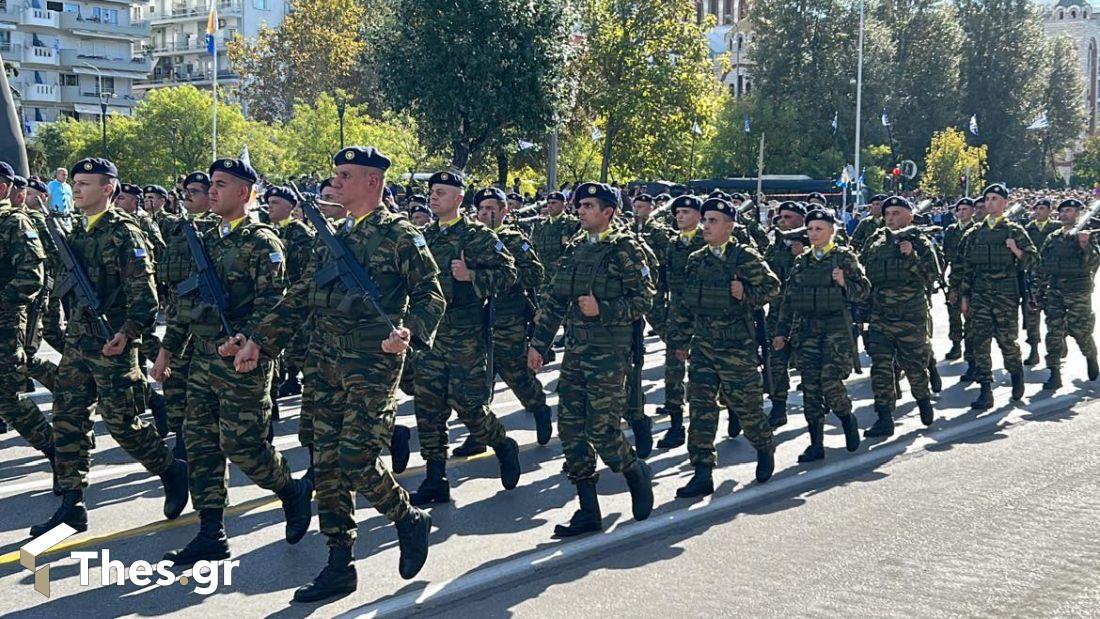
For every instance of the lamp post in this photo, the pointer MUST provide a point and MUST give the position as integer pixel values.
(103, 97)
(341, 107)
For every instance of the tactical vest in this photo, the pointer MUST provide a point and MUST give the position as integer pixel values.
(335, 299)
(104, 276)
(888, 268)
(464, 307)
(781, 260)
(231, 266)
(677, 258)
(1065, 262)
(811, 289)
(584, 271)
(724, 319)
(175, 265)
(512, 302)
(987, 252)
(547, 238)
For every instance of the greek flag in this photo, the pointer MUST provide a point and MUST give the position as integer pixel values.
(748, 123)
(885, 118)
(836, 116)
(1040, 122)
(974, 124)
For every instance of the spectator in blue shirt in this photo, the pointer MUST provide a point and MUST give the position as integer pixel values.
(61, 194)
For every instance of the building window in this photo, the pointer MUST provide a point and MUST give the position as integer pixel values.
(1073, 13)
(263, 5)
(68, 79)
(1061, 14)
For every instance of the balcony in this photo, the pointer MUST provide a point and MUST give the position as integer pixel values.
(9, 10)
(185, 11)
(35, 54)
(131, 31)
(41, 17)
(196, 79)
(46, 93)
(194, 46)
(71, 58)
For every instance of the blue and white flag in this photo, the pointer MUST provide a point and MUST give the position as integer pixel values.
(885, 118)
(836, 116)
(1040, 122)
(974, 124)
(747, 123)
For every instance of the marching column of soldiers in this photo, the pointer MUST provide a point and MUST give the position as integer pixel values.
(441, 299)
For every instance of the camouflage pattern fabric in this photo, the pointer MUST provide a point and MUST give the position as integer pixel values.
(1065, 279)
(675, 262)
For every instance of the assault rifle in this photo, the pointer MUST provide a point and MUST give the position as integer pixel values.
(205, 280)
(76, 281)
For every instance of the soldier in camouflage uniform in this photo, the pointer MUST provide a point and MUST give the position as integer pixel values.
(45, 311)
(952, 237)
(552, 234)
(474, 266)
(712, 323)
(420, 216)
(602, 287)
(227, 412)
(992, 256)
(1064, 282)
(954, 283)
(22, 275)
(681, 244)
(155, 198)
(901, 265)
(419, 213)
(748, 224)
(1038, 229)
(780, 256)
(115, 256)
(814, 321)
(867, 226)
(359, 357)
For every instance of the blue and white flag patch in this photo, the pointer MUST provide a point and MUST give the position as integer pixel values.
(139, 252)
(276, 257)
(419, 241)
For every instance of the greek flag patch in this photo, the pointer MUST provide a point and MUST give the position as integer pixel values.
(526, 247)
(139, 252)
(645, 272)
(419, 241)
(31, 234)
(276, 257)
(499, 246)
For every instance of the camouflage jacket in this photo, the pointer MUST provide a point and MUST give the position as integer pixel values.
(22, 260)
(986, 264)
(808, 266)
(899, 282)
(395, 255)
(492, 268)
(297, 237)
(1065, 267)
(864, 230)
(516, 302)
(674, 260)
(1039, 233)
(550, 236)
(952, 237)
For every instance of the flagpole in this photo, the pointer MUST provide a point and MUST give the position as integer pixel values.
(760, 170)
(214, 88)
(859, 104)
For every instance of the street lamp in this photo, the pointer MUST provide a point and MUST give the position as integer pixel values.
(341, 107)
(103, 97)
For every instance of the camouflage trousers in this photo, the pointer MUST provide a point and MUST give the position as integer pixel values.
(20, 413)
(675, 372)
(227, 417)
(735, 372)
(350, 432)
(408, 373)
(592, 397)
(175, 390)
(994, 316)
(295, 353)
(955, 329)
(779, 361)
(824, 359)
(452, 376)
(903, 343)
(84, 377)
(44, 371)
(510, 362)
(312, 398)
(1032, 321)
(1069, 313)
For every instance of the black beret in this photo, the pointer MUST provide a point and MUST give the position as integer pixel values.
(1071, 203)
(279, 191)
(644, 197)
(793, 207)
(197, 177)
(417, 207)
(820, 214)
(157, 189)
(133, 190)
(38, 185)
(515, 196)
(878, 197)
(6, 171)
(489, 193)
(367, 156)
(817, 196)
(325, 182)
(678, 189)
(663, 197)
(556, 195)
(687, 201)
(454, 179)
(721, 206)
(737, 196)
(979, 200)
(964, 202)
(18, 181)
(235, 167)
(418, 198)
(602, 191)
(996, 188)
(1044, 202)
(94, 165)
(897, 201)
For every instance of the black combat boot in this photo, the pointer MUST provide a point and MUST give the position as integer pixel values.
(160, 412)
(927, 415)
(1093, 369)
(1017, 385)
(733, 425)
(851, 431)
(399, 448)
(778, 416)
(71, 512)
(435, 488)
(956, 351)
(643, 436)
(587, 519)
(51, 455)
(297, 498)
(29, 387)
(675, 435)
(174, 479)
(507, 452)
(639, 478)
(765, 464)
(700, 484)
(3, 427)
(412, 539)
(210, 544)
(970, 375)
(883, 426)
(310, 475)
(816, 450)
(1053, 383)
(1032, 356)
(337, 578)
(985, 398)
(290, 386)
(544, 425)
(935, 382)
(469, 447)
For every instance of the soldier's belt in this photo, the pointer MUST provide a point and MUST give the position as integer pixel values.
(468, 316)
(365, 339)
(598, 335)
(721, 332)
(204, 346)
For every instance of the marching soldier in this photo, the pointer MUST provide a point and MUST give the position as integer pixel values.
(419, 214)
(298, 240)
(814, 320)
(711, 321)
(780, 256)
(901, 265)
(474, 266)
(113, 253)
(359, 359)
(155, 199)
(1038, 229)
(1065, 279)
(228, 412)
(552, 234)
(602, 287)
(955, 284)
(952, 236)
(993, 255)
(45, 311)
(870, 223)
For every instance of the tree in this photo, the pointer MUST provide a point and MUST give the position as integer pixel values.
(949, 158)
(477, 74)
(1086, 164)
(646, 81)
(1061, 101)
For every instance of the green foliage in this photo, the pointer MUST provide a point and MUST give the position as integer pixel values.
(949, 158)
(1086, 166)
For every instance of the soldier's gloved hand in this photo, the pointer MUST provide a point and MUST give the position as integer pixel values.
(161, 370)
(459, 270)
(589, 306)
(232, 346)
(247, 358)
(115, 347)
(397, 342)
(778, 342)
(906, 248)
(534, 360)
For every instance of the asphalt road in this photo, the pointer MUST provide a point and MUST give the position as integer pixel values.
(997, 506)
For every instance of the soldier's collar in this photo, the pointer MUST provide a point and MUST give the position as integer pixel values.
(824, 251)
(284, 223)
(227, 227)
(447, 224)
(598, 238)
(1042, 225)
(993, 221)
(688, 236)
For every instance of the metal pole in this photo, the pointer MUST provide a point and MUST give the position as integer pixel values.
(859, 105)
(214, 88)
(760, 169)
(552, 165)
(340, 113)
(102, 108)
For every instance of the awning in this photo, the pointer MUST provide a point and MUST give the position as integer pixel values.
(108, 73)
(83, 108)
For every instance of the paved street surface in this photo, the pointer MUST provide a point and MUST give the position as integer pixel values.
(981, 514)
